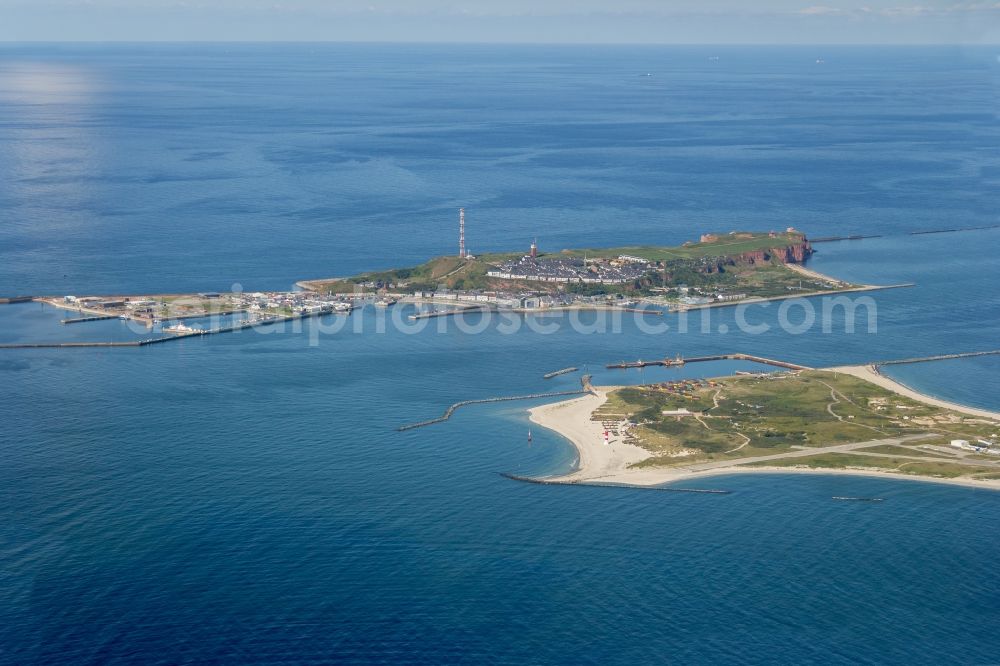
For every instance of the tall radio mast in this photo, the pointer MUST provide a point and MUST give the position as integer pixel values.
(461, 232)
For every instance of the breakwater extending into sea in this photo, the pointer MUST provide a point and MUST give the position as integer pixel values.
(830, 239)
(195, 333)
(465, 403)
(597, 484)
(938, 357)
(681, 360)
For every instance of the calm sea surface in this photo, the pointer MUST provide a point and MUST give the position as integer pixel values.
(245, 498)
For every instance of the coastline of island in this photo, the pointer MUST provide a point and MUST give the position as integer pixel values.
(718, 270)
(784, 297)
(870, 374)
(715, 269)
(618, 462)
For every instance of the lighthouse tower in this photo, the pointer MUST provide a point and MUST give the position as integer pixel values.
(534, 249)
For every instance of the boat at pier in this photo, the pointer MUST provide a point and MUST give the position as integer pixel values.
(182, 329)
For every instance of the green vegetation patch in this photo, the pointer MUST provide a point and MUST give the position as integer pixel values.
(743, 416)
(724, 245)
(712, 266)
(902, 466)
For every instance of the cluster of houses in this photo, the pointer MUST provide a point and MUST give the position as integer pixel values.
(622, 270)
(519, 301)
(301, 302)
(696, 296)
(500, 299)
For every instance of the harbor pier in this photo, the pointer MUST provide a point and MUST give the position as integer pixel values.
(81, 320)
(178, 336)
(449, 313)
(680, 360)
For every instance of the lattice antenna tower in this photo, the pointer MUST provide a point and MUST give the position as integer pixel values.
(461, 232)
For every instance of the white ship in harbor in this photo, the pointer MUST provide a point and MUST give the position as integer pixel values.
(385, 302)
(182, 329)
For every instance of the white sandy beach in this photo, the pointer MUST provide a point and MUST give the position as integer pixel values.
(610, 463)
(868, 373)
(571, 419)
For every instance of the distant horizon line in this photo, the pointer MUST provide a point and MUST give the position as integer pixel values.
(505, 43)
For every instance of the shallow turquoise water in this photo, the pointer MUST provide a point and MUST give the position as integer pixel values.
(245, 498)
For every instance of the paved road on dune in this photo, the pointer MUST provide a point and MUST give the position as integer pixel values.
(805, 453)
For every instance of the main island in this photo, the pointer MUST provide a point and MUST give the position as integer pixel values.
(717, 270)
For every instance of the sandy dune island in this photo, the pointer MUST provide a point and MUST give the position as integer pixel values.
(610, 463)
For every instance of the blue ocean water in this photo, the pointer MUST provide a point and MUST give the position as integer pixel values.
(245, 498)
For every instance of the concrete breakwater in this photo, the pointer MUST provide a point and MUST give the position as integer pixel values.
(16, 299)
(645, 311)
(197, 315)
(51, 345)
(464, 403)
(699, 359)
(81, 320)
(951, 231)
(239, 326)
(76, 345)
(598, 484)
(939, 357)
(450, 313)
(154, 341)
(830, 239)
(785, 297)
(550, 375)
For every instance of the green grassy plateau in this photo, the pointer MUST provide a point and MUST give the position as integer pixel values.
(748, 416)
(718, 265)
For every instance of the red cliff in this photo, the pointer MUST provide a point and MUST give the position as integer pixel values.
(795, 253)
